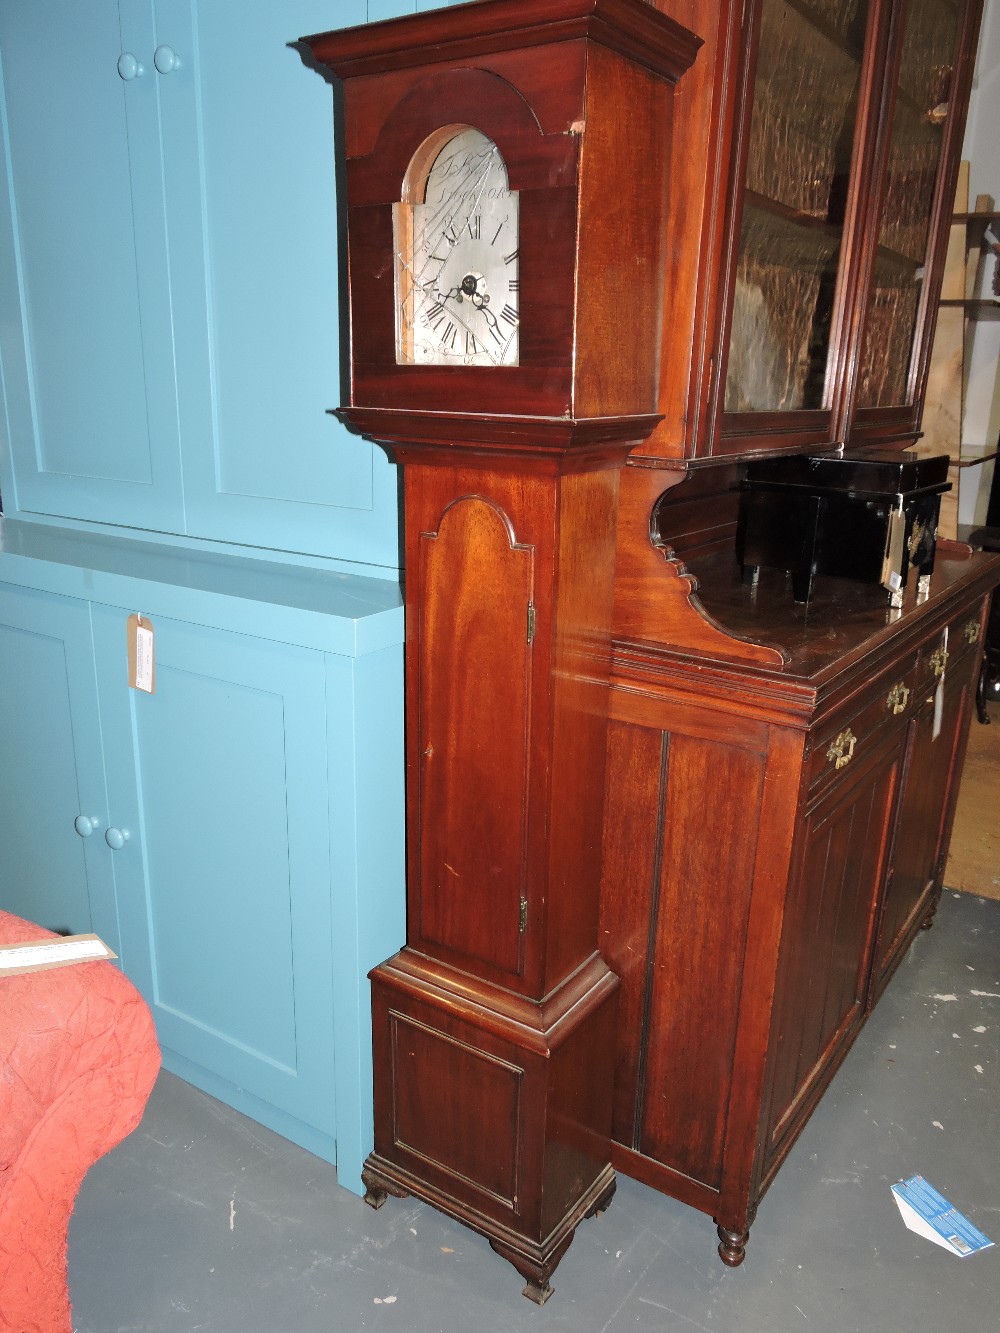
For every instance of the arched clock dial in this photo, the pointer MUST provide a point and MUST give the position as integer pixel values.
(457, 272)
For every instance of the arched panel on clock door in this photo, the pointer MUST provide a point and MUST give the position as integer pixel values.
(473, 733)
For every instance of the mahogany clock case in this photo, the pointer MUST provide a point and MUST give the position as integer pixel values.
(494, 1026)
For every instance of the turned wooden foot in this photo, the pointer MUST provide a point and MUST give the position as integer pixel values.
(928, 920)
(732, 1246)
(378, 1188)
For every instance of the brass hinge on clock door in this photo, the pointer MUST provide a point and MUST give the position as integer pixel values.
(523, 920)
(531, 622)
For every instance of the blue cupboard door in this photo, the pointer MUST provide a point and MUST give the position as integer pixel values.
(219, 780)
(86, 339)
(55, 867)
(249, 154)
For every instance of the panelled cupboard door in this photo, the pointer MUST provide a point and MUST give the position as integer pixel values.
(85, 335)
(249, 164)
(828, 934)
(170, 273)
(219, 779)
(932, 751)
(55, 866)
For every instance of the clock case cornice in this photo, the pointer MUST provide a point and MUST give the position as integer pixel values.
(577, 96)
(461, 33)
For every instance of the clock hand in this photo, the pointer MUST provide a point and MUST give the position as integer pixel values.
(481, 301)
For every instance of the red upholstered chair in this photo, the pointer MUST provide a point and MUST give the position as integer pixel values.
(78, 1057)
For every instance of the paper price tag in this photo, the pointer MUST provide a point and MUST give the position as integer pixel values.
(40, 955)
(892, 564)
(939, 692)
(141, 654)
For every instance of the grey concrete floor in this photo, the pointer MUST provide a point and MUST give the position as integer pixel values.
(204, 1220)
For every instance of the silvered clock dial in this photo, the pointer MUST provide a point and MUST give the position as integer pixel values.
(457, 260)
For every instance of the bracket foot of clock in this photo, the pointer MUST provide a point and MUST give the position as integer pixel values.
(379, 1187)
(537, 1287)
(535, 1263)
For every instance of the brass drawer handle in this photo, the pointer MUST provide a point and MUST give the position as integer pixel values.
(971, 632)
(898, 698)
(939, 660)
(841, 752)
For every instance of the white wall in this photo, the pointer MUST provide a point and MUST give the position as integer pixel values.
(981, 426)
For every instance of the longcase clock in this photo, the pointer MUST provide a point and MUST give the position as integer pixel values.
(506, 170)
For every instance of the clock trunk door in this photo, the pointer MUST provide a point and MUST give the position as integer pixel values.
(474, 662)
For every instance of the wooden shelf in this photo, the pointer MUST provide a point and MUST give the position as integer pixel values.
(976, 226)
(774, 234)
(984, 309)
(896, 259)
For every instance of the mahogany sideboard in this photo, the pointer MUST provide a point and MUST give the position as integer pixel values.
(775, 835)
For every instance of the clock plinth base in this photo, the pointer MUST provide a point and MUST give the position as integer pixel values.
(492, 1108)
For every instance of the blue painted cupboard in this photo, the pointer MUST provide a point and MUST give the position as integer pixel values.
(169, 316)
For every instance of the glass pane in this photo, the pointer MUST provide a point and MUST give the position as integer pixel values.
(798, 167)
(918, 127)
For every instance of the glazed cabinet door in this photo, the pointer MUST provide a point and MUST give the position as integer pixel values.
(55, 866)
(801, 149)
(827, 939)
(219, 782)
(931, 74)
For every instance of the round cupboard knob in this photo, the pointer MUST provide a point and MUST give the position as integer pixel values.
(165, 59)
(128, 66)
(116, 838)
(84, 825)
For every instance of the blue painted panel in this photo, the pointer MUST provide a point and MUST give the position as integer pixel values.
(224, 884)
(52, 769)
(85, 336)
(350, 614)
(249, 160)
(391, 9)
(365, 718)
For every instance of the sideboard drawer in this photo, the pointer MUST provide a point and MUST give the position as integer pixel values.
(852, 731)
